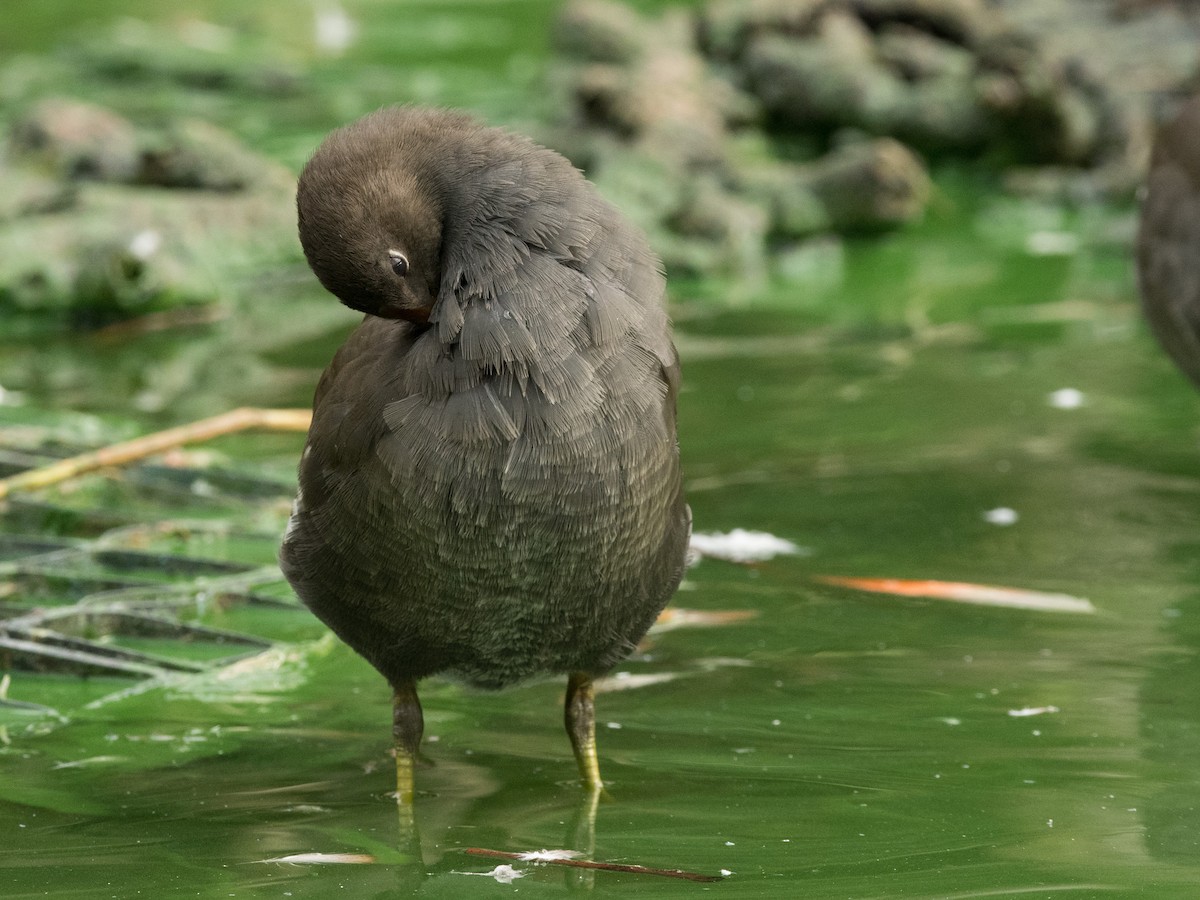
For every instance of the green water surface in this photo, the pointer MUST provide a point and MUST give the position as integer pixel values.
(873, 410)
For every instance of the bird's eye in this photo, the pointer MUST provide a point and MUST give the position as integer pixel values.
(399, 262)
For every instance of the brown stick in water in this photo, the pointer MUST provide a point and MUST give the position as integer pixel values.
(589, 864)
(241, 419)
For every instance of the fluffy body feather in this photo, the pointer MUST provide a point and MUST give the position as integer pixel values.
(491, 483)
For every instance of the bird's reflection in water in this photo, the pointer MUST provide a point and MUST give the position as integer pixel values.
(582, 839)
(430, 829)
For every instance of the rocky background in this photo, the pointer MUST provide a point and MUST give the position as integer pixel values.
(741, 128)
(734, 132)
(102, 220)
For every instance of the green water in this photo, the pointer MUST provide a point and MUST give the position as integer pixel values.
(838, 744)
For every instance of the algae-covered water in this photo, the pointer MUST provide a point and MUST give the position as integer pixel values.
(951, 403)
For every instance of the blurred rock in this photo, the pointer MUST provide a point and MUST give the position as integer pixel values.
(945, 76)
(1142, 61)
(943, 117)
(26, 192)
(76, 140)
(953, 79)
(650, 124)
(599, 31)
(961, 21)
(126, 251)
(662, 97)
(867, 186)
(1043, 110)
(197, 54)
(735, 226)
(655, 123)
(97, 229)
(821, 84)
(870, 186)
(192, 153)
(726, 27)
(917, 55)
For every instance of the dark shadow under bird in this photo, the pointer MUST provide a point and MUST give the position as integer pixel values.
(490, 486)
(1168, 246)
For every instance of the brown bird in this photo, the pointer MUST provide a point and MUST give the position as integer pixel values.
(490, 486)
(1168, 248)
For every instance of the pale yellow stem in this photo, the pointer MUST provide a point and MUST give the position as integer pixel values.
(241, 419)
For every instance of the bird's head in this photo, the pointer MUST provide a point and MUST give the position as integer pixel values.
(371, 228)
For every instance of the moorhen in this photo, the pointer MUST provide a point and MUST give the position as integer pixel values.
(1168, 247)
(490, 487)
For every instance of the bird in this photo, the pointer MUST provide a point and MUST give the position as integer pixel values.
(490, 488)
(1168, 243)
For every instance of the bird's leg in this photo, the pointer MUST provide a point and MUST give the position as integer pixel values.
(580, 718)
(407, 725)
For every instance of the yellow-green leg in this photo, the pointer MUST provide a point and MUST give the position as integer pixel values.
(407, 726)
(580, 718)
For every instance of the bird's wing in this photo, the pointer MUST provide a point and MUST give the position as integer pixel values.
(547, 296)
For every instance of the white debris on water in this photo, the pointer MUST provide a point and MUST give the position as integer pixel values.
(1066, 398)
(310, 859)
(626, 681)
(90, 761)
(1001, 515)
(504, 874)
(145, 244)
(333, 29)
(742, 546)
(1032, 711)
(549, 855)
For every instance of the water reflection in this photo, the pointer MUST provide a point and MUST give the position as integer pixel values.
(255, 358)
(1170, 731)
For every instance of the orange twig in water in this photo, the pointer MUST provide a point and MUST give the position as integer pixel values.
(242, 419)
(965, 592)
